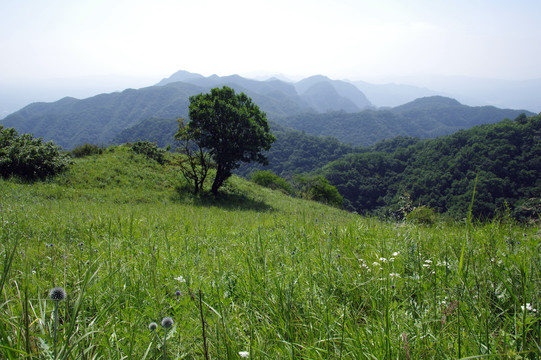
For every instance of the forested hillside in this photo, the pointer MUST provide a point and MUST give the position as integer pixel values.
(296, 152)
(501, 161)
(70, 122)
(428, 117)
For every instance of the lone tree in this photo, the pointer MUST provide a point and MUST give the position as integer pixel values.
(196, 163)
(231, 128)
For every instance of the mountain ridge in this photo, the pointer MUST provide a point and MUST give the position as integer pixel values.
(318, 99)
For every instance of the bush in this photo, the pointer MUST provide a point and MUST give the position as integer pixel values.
(269, 179)
(150, 150)
(317, 188)
(422, 215)
(86, 150)
(29, 158)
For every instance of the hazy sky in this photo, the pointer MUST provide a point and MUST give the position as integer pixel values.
(355, 39)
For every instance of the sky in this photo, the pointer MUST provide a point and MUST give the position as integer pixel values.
(343, 39)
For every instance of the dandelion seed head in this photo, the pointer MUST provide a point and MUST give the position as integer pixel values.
(152, 326)
(167, 322)
(178, 293)
(57, 294)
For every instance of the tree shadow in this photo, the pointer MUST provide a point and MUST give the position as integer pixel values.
(225, 200)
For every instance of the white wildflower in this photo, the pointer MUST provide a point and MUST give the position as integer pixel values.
(444, 301)
(382, 259)
(244, 354)
(394, 275)
(181, 279)
(375, 263)
(396, 253)
(528, 307)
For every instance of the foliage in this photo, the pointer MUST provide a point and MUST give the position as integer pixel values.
(150, 150)
(296, 152)
(280, 278)
(317, 188)
(269, 179)
(423, 215)
(29, 158)
(195, 163)
(231, 127)
(440, 173)
(86, 150)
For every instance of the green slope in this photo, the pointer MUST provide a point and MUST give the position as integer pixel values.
(278, 277)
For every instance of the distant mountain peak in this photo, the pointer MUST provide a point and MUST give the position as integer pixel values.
(430, 101)
(437, 99)
(180, 75)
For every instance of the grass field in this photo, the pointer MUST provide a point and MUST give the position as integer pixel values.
(255, 274)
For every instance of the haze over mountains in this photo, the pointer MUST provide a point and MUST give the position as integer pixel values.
(382, 92)
(317, 105)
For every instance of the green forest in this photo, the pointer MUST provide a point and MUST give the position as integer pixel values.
(500, 162)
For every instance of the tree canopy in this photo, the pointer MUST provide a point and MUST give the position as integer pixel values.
(231, 128)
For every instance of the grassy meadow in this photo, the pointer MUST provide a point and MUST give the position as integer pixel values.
(254, 274)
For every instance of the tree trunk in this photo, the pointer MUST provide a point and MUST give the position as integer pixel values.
(221, 175)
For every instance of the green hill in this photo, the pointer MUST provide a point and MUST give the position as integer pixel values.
(254, 271)
(501, 161)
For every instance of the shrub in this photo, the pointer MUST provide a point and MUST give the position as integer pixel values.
(29, 158)
(319, 189)
(86, 150)
(150, 150)
(422, 215)
(269, 179)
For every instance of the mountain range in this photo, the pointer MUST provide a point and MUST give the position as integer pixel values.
(316, 105)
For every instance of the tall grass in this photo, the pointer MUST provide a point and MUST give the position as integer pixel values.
(276, 277)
